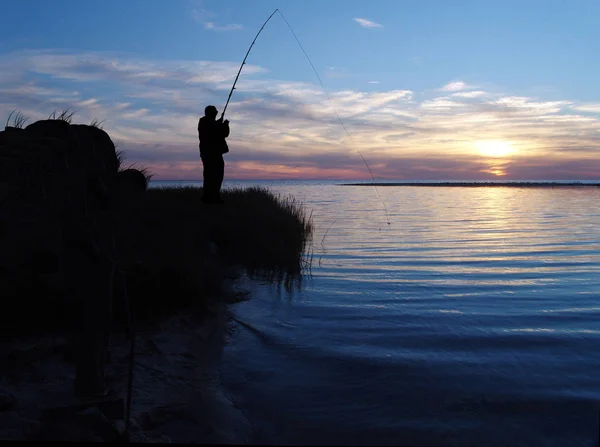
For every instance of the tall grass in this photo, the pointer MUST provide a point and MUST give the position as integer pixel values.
(168, 261)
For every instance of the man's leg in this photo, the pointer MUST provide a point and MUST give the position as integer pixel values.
(219, 175)
(205, 179)
(208, 184)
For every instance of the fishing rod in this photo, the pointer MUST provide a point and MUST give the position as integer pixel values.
(322, 86)
(244, 62)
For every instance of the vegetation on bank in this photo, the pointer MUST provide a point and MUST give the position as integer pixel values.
(173, 250)
(176, 256)
(182, 247)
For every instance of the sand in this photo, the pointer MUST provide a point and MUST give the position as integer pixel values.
(177, 396)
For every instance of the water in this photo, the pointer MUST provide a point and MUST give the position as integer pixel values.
(473, 319)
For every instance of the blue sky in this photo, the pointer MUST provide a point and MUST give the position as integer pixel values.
(428, 89)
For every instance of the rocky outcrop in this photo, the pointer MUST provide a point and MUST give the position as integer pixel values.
(61, 185)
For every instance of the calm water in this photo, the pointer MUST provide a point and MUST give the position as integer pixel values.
(473, 319)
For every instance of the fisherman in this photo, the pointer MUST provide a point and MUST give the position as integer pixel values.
(212, 134)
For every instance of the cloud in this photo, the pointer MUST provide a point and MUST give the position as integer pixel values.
(592, 108)
(121, 105)
(230, 27)
(416, 60)
(87, 103)
(126, 68)
(373, 82)
(135, 114)
(285, 128)
(335, 73)
(367, 23)
(201, 15)
(473, 94)
(441, 103)
(454, 86)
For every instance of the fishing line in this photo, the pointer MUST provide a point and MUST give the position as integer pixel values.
(337, 114)
(324, 89)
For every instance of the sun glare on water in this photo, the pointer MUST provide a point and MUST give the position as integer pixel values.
(494, 148)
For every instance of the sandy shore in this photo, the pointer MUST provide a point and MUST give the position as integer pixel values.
(176, 392)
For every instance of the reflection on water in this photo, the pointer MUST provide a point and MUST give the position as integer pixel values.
(472, 319)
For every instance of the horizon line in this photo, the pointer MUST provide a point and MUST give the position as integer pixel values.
(386, 181)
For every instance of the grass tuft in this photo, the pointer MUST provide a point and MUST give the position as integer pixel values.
(19, 120)
(96, 123)
(65, 115)
(121, 159)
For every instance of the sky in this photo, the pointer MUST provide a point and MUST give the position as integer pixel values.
(427, 90)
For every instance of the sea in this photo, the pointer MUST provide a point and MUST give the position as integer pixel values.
(472, 318)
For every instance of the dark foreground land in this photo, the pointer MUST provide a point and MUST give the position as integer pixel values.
(63, 185)
(177, 261)
(178, 256)
(484, 184)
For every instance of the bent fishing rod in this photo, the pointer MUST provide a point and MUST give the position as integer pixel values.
(244, 62)
(322, 86)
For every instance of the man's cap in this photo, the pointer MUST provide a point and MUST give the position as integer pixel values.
(210, 110)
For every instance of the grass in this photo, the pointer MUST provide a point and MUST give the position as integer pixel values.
(19, 120)
(66, 115)
(169, 265)
(166, 258)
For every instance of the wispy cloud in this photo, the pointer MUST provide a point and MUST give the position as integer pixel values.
(335, 73)
(373, 82)
(289, 128)
(592, 108)
(473, 94)
(230, 27)
(367, 23)
(201, 15)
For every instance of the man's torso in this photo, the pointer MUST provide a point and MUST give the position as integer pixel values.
(212, 139)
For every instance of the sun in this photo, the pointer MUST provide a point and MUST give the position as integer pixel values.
(494, 148)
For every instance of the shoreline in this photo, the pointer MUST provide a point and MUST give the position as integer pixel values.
(69, 207)
(177, 395)
(481, 184)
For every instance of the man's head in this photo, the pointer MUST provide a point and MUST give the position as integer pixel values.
(211, 112)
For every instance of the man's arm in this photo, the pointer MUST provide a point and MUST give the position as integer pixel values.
(226, 128)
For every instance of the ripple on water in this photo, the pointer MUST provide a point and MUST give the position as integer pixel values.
(471, 319)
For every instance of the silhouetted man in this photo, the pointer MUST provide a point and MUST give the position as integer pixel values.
(212, 134)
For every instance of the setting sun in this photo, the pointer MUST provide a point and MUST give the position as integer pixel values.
(494, 148)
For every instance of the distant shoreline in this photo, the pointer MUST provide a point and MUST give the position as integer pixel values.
(481, 184)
